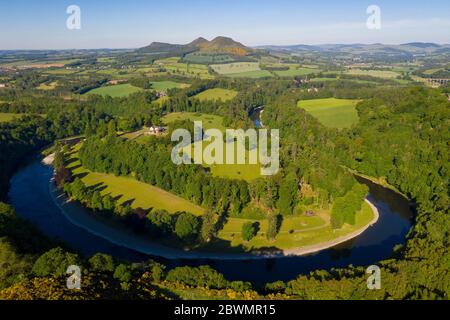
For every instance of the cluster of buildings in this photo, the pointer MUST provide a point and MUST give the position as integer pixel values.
(154, 130)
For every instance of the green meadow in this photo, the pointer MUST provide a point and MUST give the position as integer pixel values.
(5, 117)
(296, 71)
(137, 193)
(295, 231)
(166, 85)
(208, 120)
(115, 91)
(333, 113)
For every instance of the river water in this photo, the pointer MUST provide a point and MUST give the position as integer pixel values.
(30, 195)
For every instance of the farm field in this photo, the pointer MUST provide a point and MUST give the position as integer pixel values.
(118, 90)
(174, 66)
(333, 113)
(166, 85)
(216, 94)
(251, 74)
(48, 86)
(236, 67)
(139, 194)
(296, 71)
(5, 117)
(295, 231)
(209, 121)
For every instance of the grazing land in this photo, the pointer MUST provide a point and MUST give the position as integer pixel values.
(296, 71)
(5, 117)
(333, 113)
(295, 231)
(115, 91)
(385, 74)
(208, 120)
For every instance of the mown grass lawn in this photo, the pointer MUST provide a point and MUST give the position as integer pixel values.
(216, 94)
(333, 113)
(115, 91)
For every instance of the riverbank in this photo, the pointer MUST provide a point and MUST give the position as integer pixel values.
(79, 216)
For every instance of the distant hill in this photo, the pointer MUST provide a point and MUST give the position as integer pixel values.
(217, 45)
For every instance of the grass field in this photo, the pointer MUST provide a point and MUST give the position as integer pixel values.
(209, 121)
(295, 232)
(251, 74)
(233, 171)
(5, 117)
(236, 67)
(216, 94)
(48, 86)
(373, 73)
(174, 66)
(166, 85)
(296, 71)
(119, 90)
(138, 193)
(333, 113)
(244, 171)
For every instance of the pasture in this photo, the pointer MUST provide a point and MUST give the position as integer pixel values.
(216, 94)
(295, 231)
(115, 91)
(5, 117)
(166, 85)
(245, 171)
(296, 70)
(333, 113)
(385, 74)
(236, 67)
(137, 193)
(256, 74)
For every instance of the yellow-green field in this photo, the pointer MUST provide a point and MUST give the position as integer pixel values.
(244, 171)
(118, 90)
(208, 120)
(166, 85)
(174, 66)
(138, 193)
(374, 73)
(235, 67)
(216, 94)
(5, 117)
(48, 86)
(333, 113)
(295, 232)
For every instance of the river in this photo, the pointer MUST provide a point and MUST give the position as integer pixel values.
(30, 195)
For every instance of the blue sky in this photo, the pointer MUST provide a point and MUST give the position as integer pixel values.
(29, 24)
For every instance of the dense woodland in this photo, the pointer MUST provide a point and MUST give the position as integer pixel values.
(403, 135)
